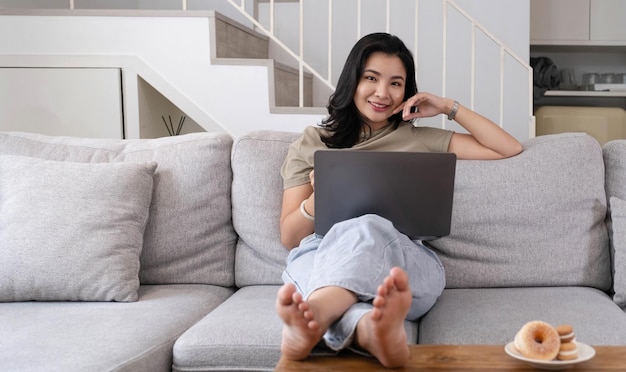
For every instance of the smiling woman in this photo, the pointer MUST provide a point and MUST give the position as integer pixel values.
(355, 286)
(380, 90)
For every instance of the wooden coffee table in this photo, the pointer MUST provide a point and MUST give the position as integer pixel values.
(454, 358)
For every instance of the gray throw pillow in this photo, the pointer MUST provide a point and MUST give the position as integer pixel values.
(618, 217)
(72, 231)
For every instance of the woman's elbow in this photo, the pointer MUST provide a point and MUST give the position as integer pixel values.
(287, 241)
(287, 244)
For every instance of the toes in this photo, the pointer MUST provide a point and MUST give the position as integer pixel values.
(379, 301)
(376, 314)
(286, 294)
(308, 315)
(382, 290)
(303, 306)
(389, 282)
(313, 325)
(296, 296)
(400, 277)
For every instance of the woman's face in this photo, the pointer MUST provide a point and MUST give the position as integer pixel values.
(380, 89)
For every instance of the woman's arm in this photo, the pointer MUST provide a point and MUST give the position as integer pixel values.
(294, 226)
(486, 140)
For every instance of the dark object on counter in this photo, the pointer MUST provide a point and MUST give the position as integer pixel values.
(545, 76)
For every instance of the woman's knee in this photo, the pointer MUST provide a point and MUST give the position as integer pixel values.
(366, 224)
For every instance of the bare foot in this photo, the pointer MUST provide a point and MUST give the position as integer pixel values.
(301, 331)
(381, 331)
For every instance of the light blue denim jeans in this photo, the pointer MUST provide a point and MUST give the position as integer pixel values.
(357, 255)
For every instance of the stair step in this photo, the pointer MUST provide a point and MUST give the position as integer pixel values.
(236, 42)
(286, 86)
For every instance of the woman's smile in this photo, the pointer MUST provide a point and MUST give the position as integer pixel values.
(379, 107)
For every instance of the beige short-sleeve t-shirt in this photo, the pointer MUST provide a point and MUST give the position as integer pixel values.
(299, 161)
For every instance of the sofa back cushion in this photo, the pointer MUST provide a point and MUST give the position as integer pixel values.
(615, 165)
(536, 219)
(257, 200)
(615, 184)
(189, 236)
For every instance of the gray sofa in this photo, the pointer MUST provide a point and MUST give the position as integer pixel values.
(532, 237)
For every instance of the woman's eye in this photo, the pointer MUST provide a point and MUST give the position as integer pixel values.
(371, 78)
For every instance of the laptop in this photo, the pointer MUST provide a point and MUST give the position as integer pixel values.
(413, 190)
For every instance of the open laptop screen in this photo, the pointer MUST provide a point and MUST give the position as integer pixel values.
(413, 190)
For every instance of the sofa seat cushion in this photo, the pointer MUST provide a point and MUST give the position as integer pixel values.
(494, 315)
(536, 219)
(189, 237)
(243, 333)
(103, 336)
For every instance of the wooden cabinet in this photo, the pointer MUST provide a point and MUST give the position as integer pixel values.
(81, 102)
(578, 22)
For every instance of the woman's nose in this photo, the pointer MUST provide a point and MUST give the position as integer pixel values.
(382, 91)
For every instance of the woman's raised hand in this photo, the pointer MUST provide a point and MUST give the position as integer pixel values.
(427, 105)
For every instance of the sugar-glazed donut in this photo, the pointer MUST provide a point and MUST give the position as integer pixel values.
(538, 340)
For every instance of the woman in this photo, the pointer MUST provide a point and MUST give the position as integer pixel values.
(355, 286)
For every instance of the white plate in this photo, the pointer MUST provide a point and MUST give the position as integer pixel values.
(585, 352)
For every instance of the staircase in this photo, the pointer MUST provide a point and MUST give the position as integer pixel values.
(236, 44)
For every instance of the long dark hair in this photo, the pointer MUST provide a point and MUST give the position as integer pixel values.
(343, 124)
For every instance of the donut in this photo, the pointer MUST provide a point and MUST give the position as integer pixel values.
(567, 351)
(537, 340)
(566, 333)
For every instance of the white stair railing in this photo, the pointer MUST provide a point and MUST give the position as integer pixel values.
(363, 8)
(504, 50)
(299, 56)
